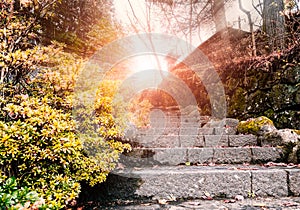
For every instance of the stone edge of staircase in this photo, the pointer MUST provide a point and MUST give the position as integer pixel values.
(193, 182)
(179, 156)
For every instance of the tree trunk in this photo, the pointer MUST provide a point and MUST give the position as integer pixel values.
(273, 23)
(248, 13)
(219, 16)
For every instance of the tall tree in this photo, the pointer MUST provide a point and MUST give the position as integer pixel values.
(274, 23)
(72, 22)
(187, 17)
(218, 14)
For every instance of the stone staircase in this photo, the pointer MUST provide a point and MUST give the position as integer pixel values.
(188, 158)
(170, 141)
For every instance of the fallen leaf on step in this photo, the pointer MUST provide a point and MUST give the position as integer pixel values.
(289, 204)
(137, 168)
(259, 204)
(270, 164)
(229, 201)
(194, 203)
(207, 194)
(163, 201)
(239, 198)
(207, 198)
(171, 198)
(291, 165)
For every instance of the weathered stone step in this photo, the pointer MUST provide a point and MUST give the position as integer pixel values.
(180, 156)
(200, 140)
(256, 203)
(163, 124)
(185, 131)
(193, 182)
(186, 121)
(178, 119)
(176, 131)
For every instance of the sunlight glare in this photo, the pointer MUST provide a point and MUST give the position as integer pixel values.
(149, 62)
(141, 63)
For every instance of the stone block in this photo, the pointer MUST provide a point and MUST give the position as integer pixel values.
(138, 158)
(231, 122)
(159, 141)
(266, 154)
(294, 181)
(200, 155)
(194, 183)
(270, 183)
(191, 141)
(167, 131)
(189, 131)
(189, 124)
(225, 131)
(232, 155)
(158, 131)
(279, 137)
(206, 131)
(170, 156)
(216, 140)
(143, 157)
(219, 131)
(192, 119)
(242, 140)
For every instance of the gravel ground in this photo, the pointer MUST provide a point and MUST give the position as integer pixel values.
(246, 204)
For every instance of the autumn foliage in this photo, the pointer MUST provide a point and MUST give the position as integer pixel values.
(39, 140)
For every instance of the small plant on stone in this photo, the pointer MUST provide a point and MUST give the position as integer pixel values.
(251, 194)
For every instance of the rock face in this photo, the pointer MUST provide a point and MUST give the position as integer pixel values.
(266, 86)
(280, 138)
(257, 126)
(268, 135)
(288, 139)
(271, 89)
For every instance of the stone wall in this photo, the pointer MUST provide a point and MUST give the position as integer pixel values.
(269, 87)
(261, 86)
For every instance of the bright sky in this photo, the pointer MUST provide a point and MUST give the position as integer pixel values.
(134, 12)
(125, 15)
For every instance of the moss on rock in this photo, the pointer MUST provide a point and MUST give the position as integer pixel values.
(256, 126)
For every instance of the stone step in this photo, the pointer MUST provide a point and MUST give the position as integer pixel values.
(181, 124)
(178, 119)
(257, 203)
(141, 157)
(200, 140)
(186, 121)
(194, 182)
(185, 131)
